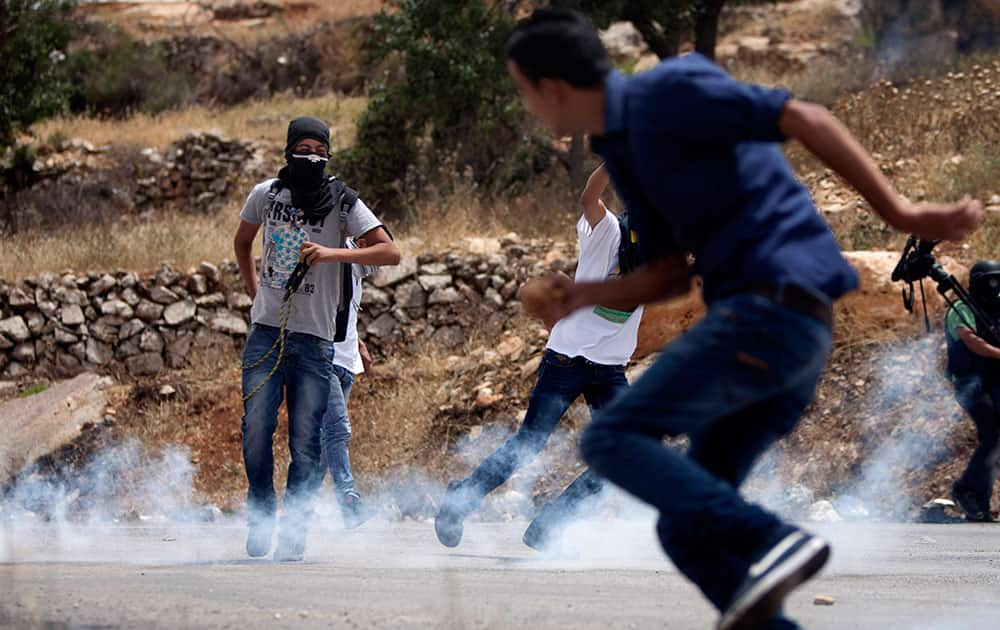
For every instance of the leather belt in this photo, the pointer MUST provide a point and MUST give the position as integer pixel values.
(797, 299)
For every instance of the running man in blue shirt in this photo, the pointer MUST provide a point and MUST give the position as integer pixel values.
(695, 156)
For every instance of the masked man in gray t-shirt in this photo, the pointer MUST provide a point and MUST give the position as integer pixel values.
(306, 217)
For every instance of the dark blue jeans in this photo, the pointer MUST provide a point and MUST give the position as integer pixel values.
(979, 396)
(734, 383)
(561, 380)
(336, 433)
(304, 378)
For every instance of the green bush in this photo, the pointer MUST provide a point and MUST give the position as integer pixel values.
(445, 92)
(118, 75)
(383, 149)
(33, 37)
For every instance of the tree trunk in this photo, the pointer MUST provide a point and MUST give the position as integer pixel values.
(574, 160)
(663, 43)
(706, 28)
(577, 155)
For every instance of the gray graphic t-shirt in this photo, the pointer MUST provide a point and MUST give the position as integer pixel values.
(314, 305)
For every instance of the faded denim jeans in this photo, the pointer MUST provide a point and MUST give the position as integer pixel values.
(735, 383)
(303, 379)
(336, 433)
(561, 380)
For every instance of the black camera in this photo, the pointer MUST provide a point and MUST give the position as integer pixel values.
(918, 262)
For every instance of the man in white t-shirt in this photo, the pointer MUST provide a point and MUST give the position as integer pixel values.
(305, 216)
(586, 355)
(350, 358)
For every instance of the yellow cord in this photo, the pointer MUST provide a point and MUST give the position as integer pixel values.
(283, 315)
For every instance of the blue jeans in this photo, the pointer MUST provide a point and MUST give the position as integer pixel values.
(304, 377)
(979, 396)
(561, 380)
(336, 433)
(735, 383)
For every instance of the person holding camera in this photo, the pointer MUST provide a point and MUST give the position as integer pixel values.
(974, 369)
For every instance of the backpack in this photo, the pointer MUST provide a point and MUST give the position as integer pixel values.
(628, 248)
(346, 198)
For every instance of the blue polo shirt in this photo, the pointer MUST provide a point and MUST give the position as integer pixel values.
(694, 155)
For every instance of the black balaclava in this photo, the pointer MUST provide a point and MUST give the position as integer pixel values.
(984, 285)
(304, 173)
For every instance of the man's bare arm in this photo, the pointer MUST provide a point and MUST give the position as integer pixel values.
(826, 138)
(656, 281)
(976, 344)
(594, 209)
(379, 250)
(243, 246)
(366, 357)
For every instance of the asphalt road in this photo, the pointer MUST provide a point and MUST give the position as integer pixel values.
(396, 575)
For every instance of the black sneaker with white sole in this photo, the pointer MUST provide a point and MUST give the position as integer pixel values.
(793, 560)
(973, 508)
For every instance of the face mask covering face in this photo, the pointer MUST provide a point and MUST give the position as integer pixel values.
(994, 297)
(307, 180)
(306, 170)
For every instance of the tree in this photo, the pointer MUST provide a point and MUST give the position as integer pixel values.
(445, 92)
(33, 39)
(706, 27)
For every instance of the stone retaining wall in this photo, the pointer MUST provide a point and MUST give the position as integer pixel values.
(61, 324)
(200, 172)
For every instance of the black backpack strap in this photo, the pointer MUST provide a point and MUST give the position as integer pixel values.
(277, 185)
(346, 198)
(628, 254)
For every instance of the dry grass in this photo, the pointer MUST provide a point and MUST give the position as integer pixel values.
(941, 116)
(392, 412)
(264, 120)
(827, 80)
(977, 172)
(935, 138)
(791, 21)
(811, 23)
(984, 242)
(440, 220)
(183, 240)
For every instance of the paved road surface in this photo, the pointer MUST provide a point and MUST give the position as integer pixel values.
(395, 575)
